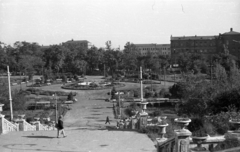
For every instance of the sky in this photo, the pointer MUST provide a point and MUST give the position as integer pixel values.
(49, 22)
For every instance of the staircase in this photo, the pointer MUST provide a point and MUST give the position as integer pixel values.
(21, 125)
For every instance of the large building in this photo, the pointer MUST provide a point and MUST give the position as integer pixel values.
(154, 49)
(82, 43)
(231, 42)
(206, 45)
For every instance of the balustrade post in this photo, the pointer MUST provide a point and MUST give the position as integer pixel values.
(21, 122)
(1, 124)
(38, 125)
(182, 136)
(133, 123)
(182, 140)
(143, 120)
(21, 125)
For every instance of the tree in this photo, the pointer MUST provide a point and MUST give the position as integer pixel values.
(80, 66)
(94, 58)
(130, 55)
(220, 73)
(54, 57)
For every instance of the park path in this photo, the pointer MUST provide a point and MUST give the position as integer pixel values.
(91, 109)
(85, 128)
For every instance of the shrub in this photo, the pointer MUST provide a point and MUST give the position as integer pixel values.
(230, 142)
(195, 124)
(29, 119)
(220, 122)
(200, 132)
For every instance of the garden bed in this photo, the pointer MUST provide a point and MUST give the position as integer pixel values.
(48, 93)
(89, 87)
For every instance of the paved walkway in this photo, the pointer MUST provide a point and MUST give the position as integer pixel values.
(90, 111)
(77, 140)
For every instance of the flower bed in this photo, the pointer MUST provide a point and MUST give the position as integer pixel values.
(91, 87)
(49, 93)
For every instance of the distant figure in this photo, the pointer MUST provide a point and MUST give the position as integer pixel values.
(60, 127)
(107, 120)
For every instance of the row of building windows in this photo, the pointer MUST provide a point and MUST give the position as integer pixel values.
(154, 49)
(194, 44)
(193, 51)
(163, 53)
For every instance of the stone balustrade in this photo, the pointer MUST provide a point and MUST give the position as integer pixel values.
(6, 126)
(40, 126)
(25, 126)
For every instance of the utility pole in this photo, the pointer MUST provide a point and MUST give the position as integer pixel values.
(10, 96)
(119, 103)
(211, 69)
(55, 95)
(104, 70)
(164, 76)
(141, 85)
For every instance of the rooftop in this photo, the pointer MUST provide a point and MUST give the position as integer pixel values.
(231, 32)
(152, 44)
(194, 37)
(76, 41)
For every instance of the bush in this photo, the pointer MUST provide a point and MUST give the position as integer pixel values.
(220, 122)
(201, 132)
(195, 124)
(230, 142)
(29, 119)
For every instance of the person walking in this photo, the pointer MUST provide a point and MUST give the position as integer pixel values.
(107, 120)
(60, 127)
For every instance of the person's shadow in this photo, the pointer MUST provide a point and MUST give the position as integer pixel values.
(39, 137)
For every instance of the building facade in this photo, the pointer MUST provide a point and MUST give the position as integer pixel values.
(228, 42)
(231, 42)
(81, 43)
(153, 49)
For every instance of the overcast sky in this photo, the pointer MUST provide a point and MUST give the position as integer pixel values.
(138, 21)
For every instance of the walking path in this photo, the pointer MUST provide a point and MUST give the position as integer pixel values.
(77, 140)
(85, 128)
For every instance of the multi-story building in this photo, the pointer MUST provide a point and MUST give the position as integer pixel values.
(193, 44)
(206, 45)
(82, 43)
(231, 42)
(153, 49)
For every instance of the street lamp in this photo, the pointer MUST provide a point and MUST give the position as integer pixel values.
(55, 95)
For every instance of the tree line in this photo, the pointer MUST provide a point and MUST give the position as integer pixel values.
(31, 58)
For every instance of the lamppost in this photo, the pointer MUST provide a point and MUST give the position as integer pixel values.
(55, 95)
(10, 95)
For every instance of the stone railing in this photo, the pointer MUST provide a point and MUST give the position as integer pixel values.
(28, 127)
(25, 126)
(183, 141)
(165, 145)
(6, 126)
(237, 149)
(209, 143)
(40, 126)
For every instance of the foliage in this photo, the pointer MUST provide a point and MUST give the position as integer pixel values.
(70, 96)
(18, 98)
(201, 132)
(195, 124)
(221, 122)
(230, 142)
